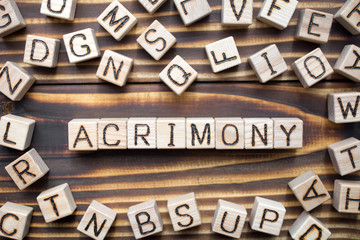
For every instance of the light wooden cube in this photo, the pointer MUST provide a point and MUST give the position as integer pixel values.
(14, 21)
(312, 68)
(145, 219)
(229, 219)
(15, 220)
(152, 5)
(156, 40)
(178, 75)
(27, 169)
(117, 20)
(288, 133)
(237, 13)
(349, 16)
(347, 196)
(81, 45)
(223, 54)
(267, 216)
(200, 133)
(229, 133)
(268, 63)
(343, 107)
(171, 133)
(97, 220)
(259, 133)
(15, 81)
(309, 190)
(345, 156)
(193, 10)
(83, 134)
(308, 227)
(112, 133)
(348, 63)
(57, 202)
(16, 132)
(41, 51)
(114, 68)
(141, 133)
(59, 9)
(314, 26)
(277, 13)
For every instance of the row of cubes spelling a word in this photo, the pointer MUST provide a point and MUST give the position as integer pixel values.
(181, 133)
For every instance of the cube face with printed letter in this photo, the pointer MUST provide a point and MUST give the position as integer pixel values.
(347, 196)
(343, 107)
(349, 16)
(11, 19)
(64, 9)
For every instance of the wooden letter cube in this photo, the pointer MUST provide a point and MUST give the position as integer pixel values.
(41, 51)
(229, 219)
(97, 220)
(145, 219)
(314, 26)
(112, 133)
(81, 45)
(259, 133)
(348, 63)
(178, 75)
(15, 81)
(349, 16)
(268, 63)
(309, 190)
(308, 227)
(192, 10)
(312, 68)
(141, 133)
(83, 134)
(114, 68)
(184, 212)
(59, 9)
(117, 20)
(57, 202)
(27, 169)
(347, 196)
(343, 107)
(11, 19)
(15, 220)
(288, 133)
(152, 5)
(229, 133)
(171, 133)
(200, 133)
(277, 13)
(156, 40)
(345, 156)
(237, 13)
(223, 54)
(267, 216)
(16, 132)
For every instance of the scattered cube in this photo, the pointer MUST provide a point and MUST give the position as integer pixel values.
(267, 216)
(83, 134)
(59, 9)
(178, 75)
(259, 133)
(114, 68)
(27, 169)
(117, 20)
(152, 5)
(14, 20)
(15, 220)
(16, 131)
(343, 107)
(237, 13)
(192, 10)
(349, 16)
(229, 219)
(314, 26)
(268, 63)
(229, 133)
(277, 13)
(145, 219)
(112, 133)
(288, 133)
(57, 202)
(81, 45)
(348, 63)
(200, 133)
(312, 68)
(141, 133)
(170, 133)
(347, 196)
(15, 81)
(100, 217)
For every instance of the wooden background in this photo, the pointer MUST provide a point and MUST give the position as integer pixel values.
(120, 179)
